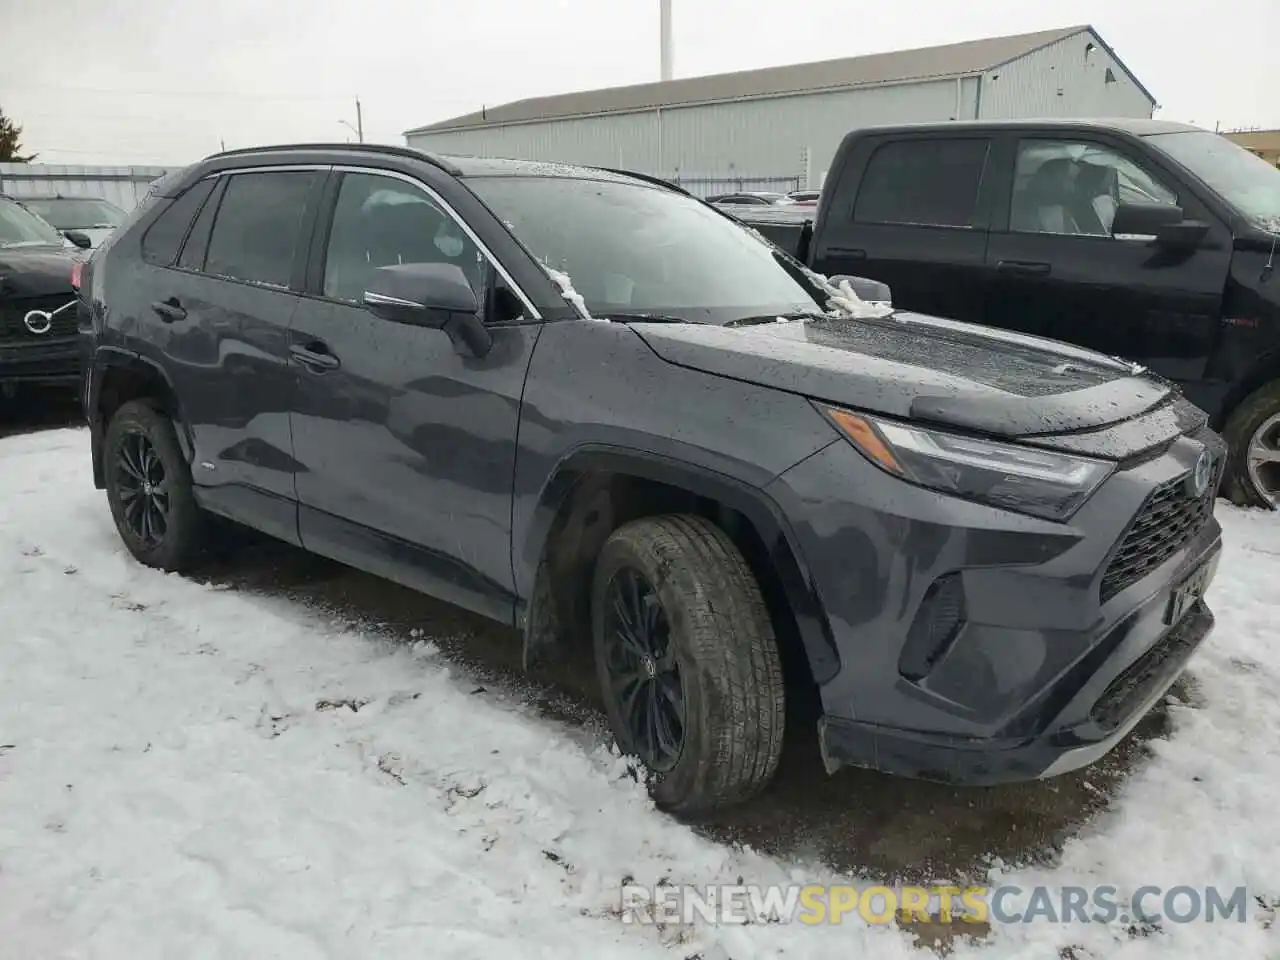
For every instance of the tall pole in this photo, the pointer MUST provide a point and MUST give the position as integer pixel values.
(359, 122)
(664, 18)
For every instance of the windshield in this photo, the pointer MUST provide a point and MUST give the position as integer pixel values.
(1244, 180)
(630, 248)
(76, 213)
(19, 226)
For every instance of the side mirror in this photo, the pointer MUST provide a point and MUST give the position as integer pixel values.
(1183, 236)
(435, 295)
(1162, 222)
(873, 291)
(81, 240)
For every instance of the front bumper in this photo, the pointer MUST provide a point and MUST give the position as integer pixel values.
(1038, 674)
(1105, 716)
(57, 362)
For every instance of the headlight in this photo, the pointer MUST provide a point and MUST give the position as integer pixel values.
(1039, 482)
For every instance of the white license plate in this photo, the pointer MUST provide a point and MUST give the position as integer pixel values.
(1186, 593)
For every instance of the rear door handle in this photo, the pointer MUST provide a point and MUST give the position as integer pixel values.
(315, 356)
(169, 310)
(853, 253)
(1027, 267)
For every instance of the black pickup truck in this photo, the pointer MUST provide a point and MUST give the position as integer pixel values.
(1149, 240)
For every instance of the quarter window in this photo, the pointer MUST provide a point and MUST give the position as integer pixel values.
(1073, 188)
(163, 238)
(259, 226)
(379, 221)
(197, 242)
(924, 182)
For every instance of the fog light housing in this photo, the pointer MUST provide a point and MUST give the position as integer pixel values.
(937, 623)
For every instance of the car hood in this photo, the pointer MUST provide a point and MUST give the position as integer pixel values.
(35, 271)
(928, 369)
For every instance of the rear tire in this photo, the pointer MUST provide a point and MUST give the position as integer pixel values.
(711, 641)
(1254, 427)
(148, 485)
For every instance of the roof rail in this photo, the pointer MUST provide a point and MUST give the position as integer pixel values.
(384, 148)
(649, 178)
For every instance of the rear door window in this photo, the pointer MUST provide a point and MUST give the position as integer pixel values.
(933, 182)
(257, 235)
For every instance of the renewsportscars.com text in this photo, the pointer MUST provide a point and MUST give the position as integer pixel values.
(818, 904)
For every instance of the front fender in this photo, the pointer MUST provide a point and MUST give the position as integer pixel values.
(759, 509)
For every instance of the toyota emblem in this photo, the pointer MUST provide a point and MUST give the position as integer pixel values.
(1198, 481)
(41, 321)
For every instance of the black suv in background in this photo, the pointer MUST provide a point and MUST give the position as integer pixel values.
(39, 343)
(591, 406)
(1142, 239)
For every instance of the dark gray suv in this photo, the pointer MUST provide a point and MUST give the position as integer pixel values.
(591, 406)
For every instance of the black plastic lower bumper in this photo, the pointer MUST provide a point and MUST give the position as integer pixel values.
(1109, 715)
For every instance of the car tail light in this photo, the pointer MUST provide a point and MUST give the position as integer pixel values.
(77, 271)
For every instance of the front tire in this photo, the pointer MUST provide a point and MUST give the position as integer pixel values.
(687, 662)
(1252, 433)
(148, 485)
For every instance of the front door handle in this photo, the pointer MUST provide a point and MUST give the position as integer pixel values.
(314, 356)
(1026, 267)
(169, 310)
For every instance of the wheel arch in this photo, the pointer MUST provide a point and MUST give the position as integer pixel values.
(120, 376)
(1256, 376)
(596, 489)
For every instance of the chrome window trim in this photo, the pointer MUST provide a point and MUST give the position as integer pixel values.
(384, 300)
(453, 214)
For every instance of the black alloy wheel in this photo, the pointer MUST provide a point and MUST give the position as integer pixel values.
(143, 488)
(149, 488)
(643, 672)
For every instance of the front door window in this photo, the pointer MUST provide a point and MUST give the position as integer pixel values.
(1073, 188)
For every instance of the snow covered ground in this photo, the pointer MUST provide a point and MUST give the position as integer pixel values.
(195, 772)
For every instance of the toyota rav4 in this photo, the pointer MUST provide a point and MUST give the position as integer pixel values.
(588, 405)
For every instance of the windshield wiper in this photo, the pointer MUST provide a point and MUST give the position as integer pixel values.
(644, 318)
(776, 317)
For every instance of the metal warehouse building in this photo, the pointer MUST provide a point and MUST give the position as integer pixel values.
(779, 127)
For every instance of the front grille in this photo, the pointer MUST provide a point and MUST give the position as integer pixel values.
(13, 330)
(1164, 525)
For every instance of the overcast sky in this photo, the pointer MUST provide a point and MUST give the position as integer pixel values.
(155, 81)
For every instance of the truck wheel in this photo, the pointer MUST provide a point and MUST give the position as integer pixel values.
(687, 662)
(1253, 434)
(148, 485)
